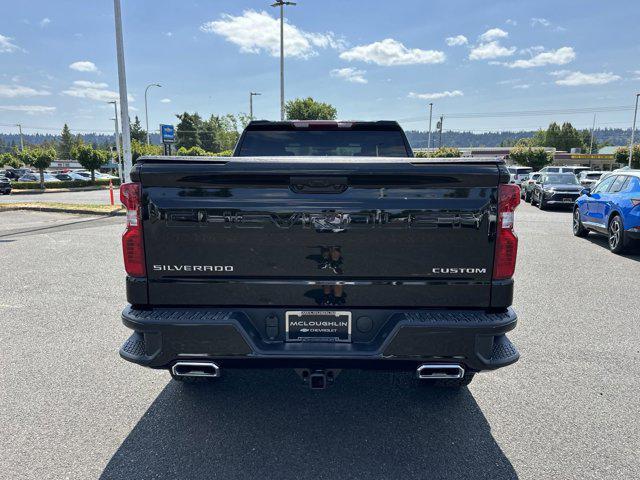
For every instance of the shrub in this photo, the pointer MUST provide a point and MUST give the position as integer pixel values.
(224, 153)
(442, 152)
(74, 184)
(534, 157)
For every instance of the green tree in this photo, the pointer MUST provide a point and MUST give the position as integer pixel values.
(622, 156)
(66, 143)
(309, 109)
(5, 158)
(188, 130)
(11, 160)
(193, 152)
(41, 159)
(561, 138)
(534, 157)
(90, 158)
(141, 149)
(137, 132)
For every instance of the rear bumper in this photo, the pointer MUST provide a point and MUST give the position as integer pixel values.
(397, 340)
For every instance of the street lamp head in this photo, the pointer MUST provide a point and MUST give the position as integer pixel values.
(280, 3)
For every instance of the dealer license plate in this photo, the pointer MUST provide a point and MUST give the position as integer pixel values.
(318, 326)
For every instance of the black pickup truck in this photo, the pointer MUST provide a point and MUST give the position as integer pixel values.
(320, 246)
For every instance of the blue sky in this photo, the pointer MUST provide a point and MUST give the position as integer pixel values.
(372, 60)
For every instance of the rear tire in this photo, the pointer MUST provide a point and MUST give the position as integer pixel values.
(578, 228)
(618, 241)
(527, 197)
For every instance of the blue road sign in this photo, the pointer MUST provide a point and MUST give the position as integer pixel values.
(168, 133)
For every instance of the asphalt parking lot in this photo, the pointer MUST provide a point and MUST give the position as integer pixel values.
(71, 408)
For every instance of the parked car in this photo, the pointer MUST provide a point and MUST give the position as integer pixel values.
(519, 174)
(555, 189)
(5, 185)
(564, 169)
(16, 173)
(612, 208)
(35, 177)
(526, 187)
(588, 178)
(71, 177)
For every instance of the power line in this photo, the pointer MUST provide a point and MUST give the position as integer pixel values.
(526, 113)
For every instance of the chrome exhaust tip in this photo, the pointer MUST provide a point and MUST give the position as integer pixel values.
(439, 371)
(196, 369)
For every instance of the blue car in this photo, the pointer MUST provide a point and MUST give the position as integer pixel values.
(612, 208)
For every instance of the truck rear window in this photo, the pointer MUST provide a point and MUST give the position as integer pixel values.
(350, 143)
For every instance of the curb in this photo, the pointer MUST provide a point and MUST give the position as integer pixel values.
(115, 213)
(57, 190)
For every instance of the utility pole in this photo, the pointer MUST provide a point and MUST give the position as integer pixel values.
(593, 127)
(251, 95)
(146, 108)
(633, 130)
(439, 125)
(117, 131)
(124, 100)
(21, 139)
(281, 4)
(430, 115)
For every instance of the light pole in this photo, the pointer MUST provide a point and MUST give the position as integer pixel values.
(251, 95)
(281, 4)
(124, 99)
(633, 130)
(21, 139)
(146, 108)
(430, 115)
(117, 131)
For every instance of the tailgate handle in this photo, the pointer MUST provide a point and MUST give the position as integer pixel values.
(318, 184)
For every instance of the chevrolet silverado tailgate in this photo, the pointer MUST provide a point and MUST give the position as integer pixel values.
(358, 232)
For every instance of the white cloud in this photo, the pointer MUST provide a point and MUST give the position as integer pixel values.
(510, 21)
(256, 32)
(45, 21)
(457, 40)
(493, 34)
(168, 34)
(7, 46)
(436, 95)
(165, 100)
(560, 56)
(97, 91)
(349, 74)
(30, 109)
(14, 91)
(540, 21)
(84, 66)
(390, 52)
(523, 86)
(486, 51)
(636, 74)
(576, 79)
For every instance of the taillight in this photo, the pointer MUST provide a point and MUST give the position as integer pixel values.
(132, 243)
(504, 262)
